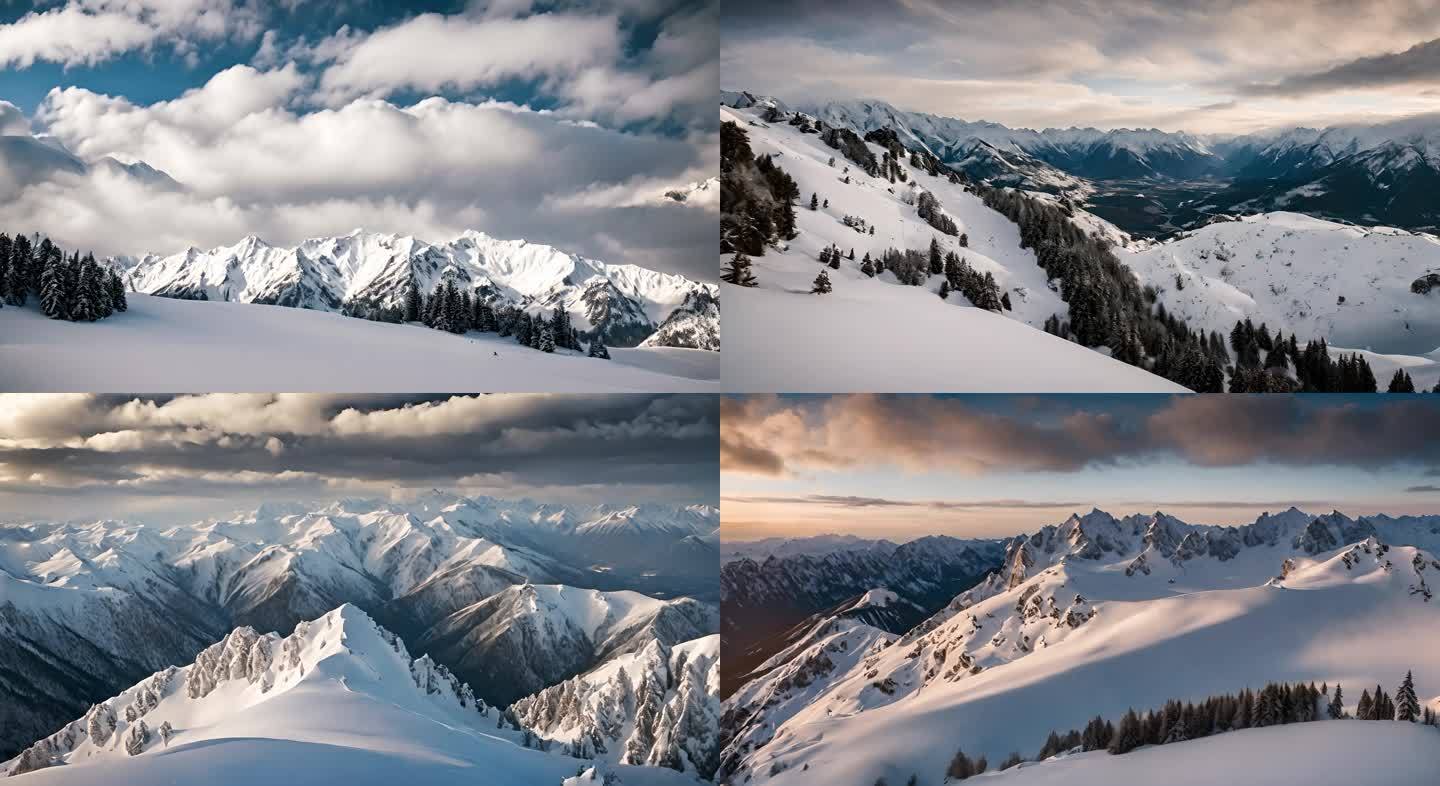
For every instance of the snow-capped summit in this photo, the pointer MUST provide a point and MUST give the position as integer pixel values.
(339, 698)
(625, 304)
(120, 600)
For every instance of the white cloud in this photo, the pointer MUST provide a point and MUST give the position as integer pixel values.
(89, 32)
(12, 120)
(432, 52)
(253, 163)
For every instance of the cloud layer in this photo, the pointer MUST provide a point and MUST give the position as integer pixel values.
(63, 456)
(394, 129)
(1214, 67)
(780, 437)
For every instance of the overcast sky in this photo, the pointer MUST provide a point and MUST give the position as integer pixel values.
(992, 466)
(1204, 66)
(176, 459)
(557, 122)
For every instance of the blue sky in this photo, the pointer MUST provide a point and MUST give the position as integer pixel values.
(1204, 66)
(903, 466)
(558, 122)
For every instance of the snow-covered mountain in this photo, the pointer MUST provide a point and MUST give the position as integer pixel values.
(1090, 617)
(1359, 288)
(27, 160)
(845, 340)
(1088, 153)
(625, 304)
(764, 600)
(1354, 286)
(658, 706)
(339, 699)
(92, 607)
(701, 193)
(527, 637)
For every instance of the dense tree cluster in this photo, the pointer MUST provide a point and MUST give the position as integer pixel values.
(980, 289)
(1275, 704)
(455, 310)
(74, 287)
(757, 198)
(852, 147)
(928, 208)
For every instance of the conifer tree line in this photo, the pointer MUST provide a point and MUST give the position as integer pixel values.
(1262, 364)
(70, 287)
(451, 309)
(1276, 704)
(757, 198)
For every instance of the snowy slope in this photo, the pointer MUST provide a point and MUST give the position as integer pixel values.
(527, 637)
(598, 713)
(1094, 616)
(624, 303)
(91, 607)
(871, 329)
(1292, 271)
(1305, 754)
(164, 345)
(340, 697)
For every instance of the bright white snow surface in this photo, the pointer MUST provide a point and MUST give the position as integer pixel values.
(334, 703)
(875, 331)
(162, 345)
(1333, 753)
(1291, 271)
(1092, 617)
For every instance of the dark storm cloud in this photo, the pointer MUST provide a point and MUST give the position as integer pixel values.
(628, 447)
(973, 436)
(1419, 63)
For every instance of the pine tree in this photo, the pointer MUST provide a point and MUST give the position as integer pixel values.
(1129, 735)
(101, 284)
(1401, 382)
(54, 299)
(17, 283)
(738, 272)
(83, 305)
(1336, 710)
(597, 348)
(1407, 704)
(547, 338)
(118, 301)
(4, 265)
(1365, 709)
(814, 202)
(822, 284)
(412, 302)
(960, 767)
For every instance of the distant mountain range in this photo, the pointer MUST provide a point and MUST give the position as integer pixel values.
(1373, 174)
(624, 304)
(1090, 617)
(512, 596)
(762, 599)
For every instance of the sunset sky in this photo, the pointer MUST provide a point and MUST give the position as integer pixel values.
(989, 466)
(1204, 67)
